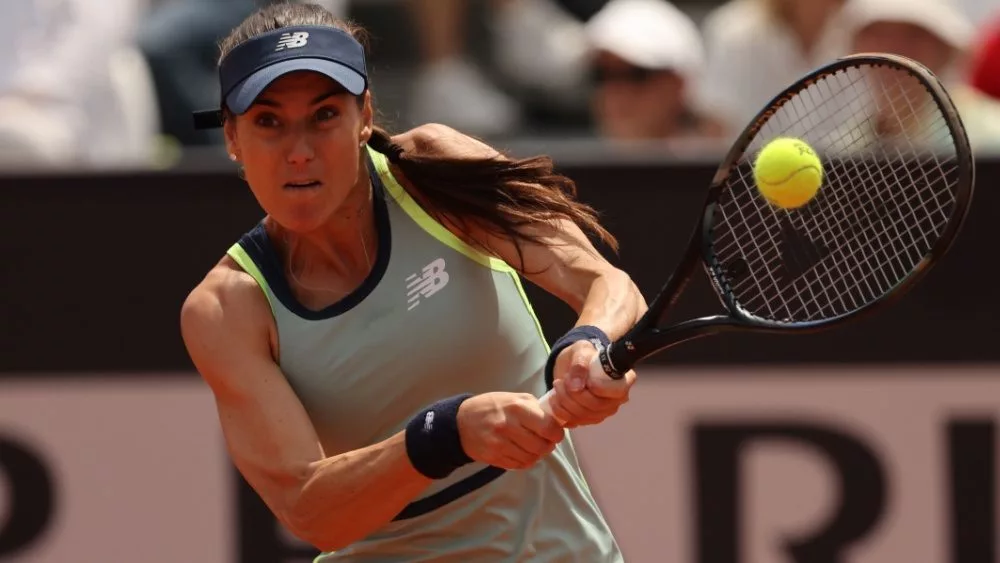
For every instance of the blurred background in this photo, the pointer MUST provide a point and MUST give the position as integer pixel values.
(112, 84)
(872, 444)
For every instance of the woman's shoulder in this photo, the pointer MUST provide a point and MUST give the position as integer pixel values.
(225, 298)
(226, 328)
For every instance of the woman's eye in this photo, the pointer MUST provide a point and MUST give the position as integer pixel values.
(267, 120)
(326, 114)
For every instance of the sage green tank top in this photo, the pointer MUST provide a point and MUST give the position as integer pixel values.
(435, 318)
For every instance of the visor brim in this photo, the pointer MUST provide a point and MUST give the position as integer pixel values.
(244, 94)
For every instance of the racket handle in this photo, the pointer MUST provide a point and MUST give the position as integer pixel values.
(596, 370)
(546, 403)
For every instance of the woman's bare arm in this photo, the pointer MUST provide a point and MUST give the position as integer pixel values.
(330, 500)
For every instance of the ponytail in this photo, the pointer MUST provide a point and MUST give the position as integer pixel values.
(501, 195)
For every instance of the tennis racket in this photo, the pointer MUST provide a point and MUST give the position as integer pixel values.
(898, 182)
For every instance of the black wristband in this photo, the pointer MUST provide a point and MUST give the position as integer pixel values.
(585, 332)
(432, 440)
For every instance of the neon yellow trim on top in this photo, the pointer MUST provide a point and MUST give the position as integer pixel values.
(240, 256)
(531, 310)
(428, 223)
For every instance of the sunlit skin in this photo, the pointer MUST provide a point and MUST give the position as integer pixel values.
(303, 129)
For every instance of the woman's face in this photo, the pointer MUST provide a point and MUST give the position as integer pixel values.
(301, 148)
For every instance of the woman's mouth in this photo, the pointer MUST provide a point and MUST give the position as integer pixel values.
(303, 185)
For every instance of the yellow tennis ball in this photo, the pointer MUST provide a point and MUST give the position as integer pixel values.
(788, 173)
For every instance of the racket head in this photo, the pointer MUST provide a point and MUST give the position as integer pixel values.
(891, 204)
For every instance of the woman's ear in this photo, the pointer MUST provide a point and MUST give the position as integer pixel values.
(367, 118)
(229, 132)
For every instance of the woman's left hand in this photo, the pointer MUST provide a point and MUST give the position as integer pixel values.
(580, 398)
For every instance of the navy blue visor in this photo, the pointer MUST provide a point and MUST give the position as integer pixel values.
(251, 67)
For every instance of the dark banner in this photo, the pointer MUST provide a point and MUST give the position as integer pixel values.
(95, 269)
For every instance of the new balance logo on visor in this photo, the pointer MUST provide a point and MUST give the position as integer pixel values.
(431, 279)
(293, 40)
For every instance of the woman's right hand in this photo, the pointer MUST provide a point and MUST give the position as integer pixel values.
(507, 430)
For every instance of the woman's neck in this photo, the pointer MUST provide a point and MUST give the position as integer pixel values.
(335, 258)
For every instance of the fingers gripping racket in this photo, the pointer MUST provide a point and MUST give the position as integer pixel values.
(897, 183)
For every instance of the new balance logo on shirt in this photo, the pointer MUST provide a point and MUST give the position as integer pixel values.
(431, 279)
(293, 40)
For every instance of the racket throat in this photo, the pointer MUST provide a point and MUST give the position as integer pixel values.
(623, 355)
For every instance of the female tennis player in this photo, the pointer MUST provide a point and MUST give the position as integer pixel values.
(374, 360)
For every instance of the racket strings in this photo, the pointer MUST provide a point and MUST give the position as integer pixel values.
(850, 218)
(839, 296)
(885, 272)
(885, 200)
(770, 226)
(912, 211)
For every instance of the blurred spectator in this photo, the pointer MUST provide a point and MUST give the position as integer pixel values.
(984, 69)
(935, 33)
(540, 46)
(450, 88)
(537, 44)
(180, 40)
(756, 48)
(646, 54)
(74, 91)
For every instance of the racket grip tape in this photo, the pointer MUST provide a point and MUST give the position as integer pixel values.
(596, 370)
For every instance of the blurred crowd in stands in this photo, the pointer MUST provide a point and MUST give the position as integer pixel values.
(110, 83)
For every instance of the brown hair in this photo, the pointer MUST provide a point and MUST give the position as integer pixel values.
(500, 194)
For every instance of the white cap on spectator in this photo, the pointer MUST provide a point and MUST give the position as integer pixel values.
(651, 34)
(940, 17)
